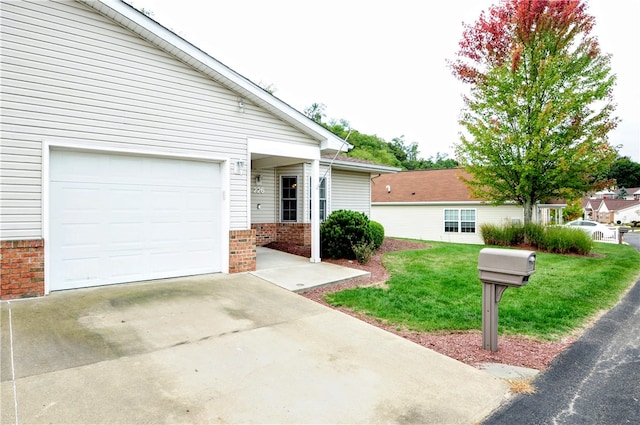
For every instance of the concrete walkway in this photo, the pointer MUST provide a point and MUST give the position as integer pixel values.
(221, 349)
(298, 274)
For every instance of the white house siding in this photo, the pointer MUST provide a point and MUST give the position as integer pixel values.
(426, 222)
(70, 75)
(265, 194)
(350, 191)
(627, 215)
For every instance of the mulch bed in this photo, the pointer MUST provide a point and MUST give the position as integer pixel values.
(463, 346)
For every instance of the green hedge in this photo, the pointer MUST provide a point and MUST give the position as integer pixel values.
(557, 239)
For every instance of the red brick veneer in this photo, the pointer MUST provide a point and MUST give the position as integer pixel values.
(21, 269)
(265, 233)
(295, 233)
(242, 250)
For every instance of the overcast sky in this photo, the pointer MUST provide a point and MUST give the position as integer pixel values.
(381, 65)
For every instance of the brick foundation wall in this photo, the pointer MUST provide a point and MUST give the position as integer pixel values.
(265, 233)
(295, 233)
(242, 251)
(21, 269)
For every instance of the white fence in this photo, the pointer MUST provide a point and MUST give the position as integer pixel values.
(612, 237)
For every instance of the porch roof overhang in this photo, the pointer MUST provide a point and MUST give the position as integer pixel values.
(171, 43)
(359, 166)
(551, 205)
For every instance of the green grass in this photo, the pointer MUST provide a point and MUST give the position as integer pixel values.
(438, 289)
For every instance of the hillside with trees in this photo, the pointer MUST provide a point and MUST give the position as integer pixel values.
(370, 147)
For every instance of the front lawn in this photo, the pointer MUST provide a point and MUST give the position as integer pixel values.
(438, 289)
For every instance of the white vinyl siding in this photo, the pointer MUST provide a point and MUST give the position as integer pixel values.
(350, 191)
(426, 222)
(70, 75)
(265, 195)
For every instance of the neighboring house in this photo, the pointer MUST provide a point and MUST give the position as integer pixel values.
(435, 205)
(612, 210)
(605, 194)
(590, 206)
(129, 154)
(632, 193)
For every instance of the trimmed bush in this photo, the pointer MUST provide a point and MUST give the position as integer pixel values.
(377, 234)
(343, 230)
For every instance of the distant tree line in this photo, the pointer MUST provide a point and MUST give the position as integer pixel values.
(625, 172)
(397, 153)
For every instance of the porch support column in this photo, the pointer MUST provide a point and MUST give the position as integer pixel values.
(315, 211)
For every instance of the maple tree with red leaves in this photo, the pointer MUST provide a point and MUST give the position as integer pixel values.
(540, 103)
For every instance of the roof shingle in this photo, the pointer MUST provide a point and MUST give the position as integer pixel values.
(422, 186)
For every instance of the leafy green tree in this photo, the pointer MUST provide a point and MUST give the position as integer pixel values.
(540, 102)
(396, 153)
(440, 161)
(573, 210)
(625, 172)
(622, 194)
(316, 112)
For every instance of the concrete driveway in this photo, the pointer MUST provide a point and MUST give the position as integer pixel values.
(221, 349)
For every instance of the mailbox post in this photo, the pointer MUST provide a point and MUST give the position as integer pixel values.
(621, 231)
(499, 269)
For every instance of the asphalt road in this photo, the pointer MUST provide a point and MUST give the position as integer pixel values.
(633, 239)
(595, 381)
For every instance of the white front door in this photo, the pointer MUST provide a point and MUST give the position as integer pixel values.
(121, 218)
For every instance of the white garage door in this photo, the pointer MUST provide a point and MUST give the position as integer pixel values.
(118, 218)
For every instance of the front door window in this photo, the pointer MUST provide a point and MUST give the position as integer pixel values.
(289, 192)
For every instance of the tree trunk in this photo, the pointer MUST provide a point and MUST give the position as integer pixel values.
(528, 211)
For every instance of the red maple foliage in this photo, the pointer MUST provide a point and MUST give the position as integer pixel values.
(501, 34)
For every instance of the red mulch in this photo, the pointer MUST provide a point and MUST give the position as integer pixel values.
(463, 346)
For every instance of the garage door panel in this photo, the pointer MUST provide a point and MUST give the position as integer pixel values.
(134, 218)
(77, 272)
(127, 199)
(126, 235)
(125, 265)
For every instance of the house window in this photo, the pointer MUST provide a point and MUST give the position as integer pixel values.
(323, 199)
(459, 221)
(289, 198)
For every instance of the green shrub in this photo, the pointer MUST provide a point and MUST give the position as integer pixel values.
(583, 244)
(491, 234)
(363, 251)
(514, 234)
(534, 234)
(557, 239)
(377, 234)
(343, 230)
(505, 235)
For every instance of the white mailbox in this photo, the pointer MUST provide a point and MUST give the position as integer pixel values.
(508, 267)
